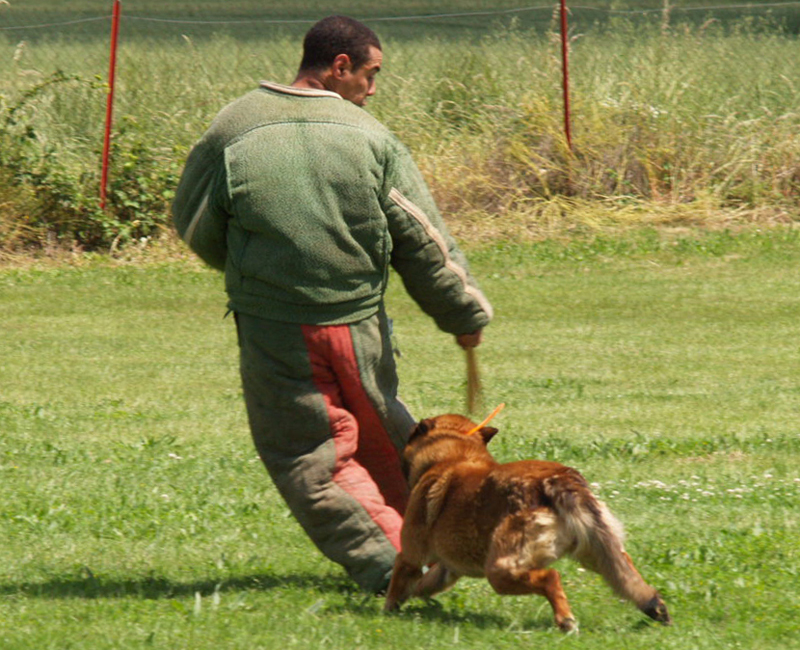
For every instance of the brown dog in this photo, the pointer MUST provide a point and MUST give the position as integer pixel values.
(469, 515)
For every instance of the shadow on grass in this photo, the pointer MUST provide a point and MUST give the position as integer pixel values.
(355, 602)
(351, 601)
(90, 586)
(435, 611)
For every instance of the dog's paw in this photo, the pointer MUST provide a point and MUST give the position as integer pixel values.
(657, 610)
(568, 625)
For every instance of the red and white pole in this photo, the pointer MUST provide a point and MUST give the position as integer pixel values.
(565, 70)
(110, 99)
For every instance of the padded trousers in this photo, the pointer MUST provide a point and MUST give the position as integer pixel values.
(327, 423)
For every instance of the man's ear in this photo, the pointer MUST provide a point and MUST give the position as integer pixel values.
(340, 65)
(487, 433)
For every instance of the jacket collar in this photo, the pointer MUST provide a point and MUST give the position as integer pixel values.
(300, 92)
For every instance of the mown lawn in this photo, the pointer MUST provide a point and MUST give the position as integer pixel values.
(134, 513)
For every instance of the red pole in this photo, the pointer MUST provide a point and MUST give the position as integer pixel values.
(565, 67)
(110, 100)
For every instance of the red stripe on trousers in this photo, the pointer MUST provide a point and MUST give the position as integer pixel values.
(367, 463)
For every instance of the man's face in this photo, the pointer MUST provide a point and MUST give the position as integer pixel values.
(357, 85)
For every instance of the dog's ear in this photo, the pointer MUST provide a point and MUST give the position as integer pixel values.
(487, 433)
(421, 429)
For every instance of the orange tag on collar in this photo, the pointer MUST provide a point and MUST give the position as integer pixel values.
(486, 421)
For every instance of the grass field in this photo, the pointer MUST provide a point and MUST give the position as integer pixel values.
(134, 513)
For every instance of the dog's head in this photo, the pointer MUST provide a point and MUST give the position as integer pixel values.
(452, 425)
(443, 439)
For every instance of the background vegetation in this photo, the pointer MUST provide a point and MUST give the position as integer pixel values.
(689, 117)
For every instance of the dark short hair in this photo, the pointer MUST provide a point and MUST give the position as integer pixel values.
(337, 35)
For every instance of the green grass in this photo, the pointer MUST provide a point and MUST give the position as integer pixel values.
(134, 513)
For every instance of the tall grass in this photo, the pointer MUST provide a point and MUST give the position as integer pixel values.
(673, 118)
(702, 119)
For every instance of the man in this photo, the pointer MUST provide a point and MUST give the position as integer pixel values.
(305, 201)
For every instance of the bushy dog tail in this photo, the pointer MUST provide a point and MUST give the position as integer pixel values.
(598, 541)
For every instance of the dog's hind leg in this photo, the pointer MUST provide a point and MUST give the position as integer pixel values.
(545, 582)
(522, 548)
(597, 542)
(633, 587)
(601, 551)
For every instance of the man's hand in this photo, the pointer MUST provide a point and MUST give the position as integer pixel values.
(472, 340)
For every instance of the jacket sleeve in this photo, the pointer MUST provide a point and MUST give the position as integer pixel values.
(433, 269)
(198, 210)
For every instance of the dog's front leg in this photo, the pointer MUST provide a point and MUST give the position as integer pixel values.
(405, 577)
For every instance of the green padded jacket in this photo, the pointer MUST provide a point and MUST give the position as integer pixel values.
(305, 200)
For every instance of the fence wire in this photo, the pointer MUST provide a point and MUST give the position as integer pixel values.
(44, 35)
(174, 52)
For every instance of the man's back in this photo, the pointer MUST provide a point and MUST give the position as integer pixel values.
(300, 181)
